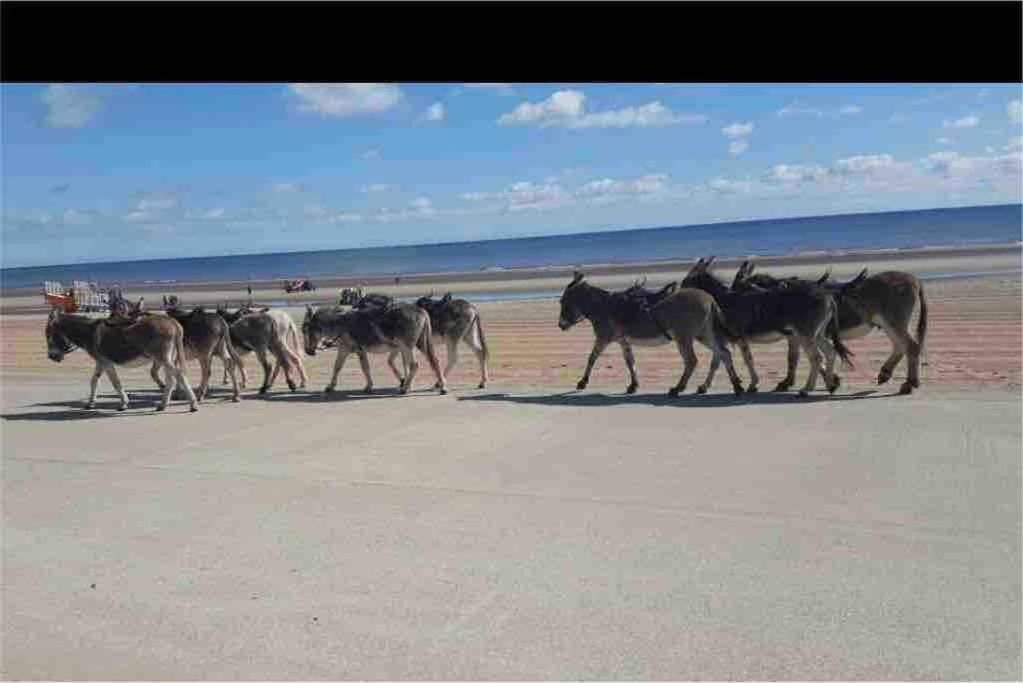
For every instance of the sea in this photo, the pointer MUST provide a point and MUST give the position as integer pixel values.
(955, 227)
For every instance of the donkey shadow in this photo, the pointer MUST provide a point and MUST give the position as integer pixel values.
(143, 404)
(338, 395)
(718, 400)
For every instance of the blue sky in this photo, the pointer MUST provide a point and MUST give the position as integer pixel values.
(109, 172)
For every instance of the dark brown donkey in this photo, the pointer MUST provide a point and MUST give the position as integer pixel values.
(150, 339)
(804, 310)
(644, 318)
(456, 320)
(399, 328)
(883, 301)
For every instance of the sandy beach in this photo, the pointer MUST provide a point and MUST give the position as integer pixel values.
(527, 530)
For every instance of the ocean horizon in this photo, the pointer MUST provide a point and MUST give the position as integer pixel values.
(926, 228)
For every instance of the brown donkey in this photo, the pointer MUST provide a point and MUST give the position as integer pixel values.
(150, 339)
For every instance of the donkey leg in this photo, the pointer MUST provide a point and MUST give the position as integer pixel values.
(154, 373)
(265, 362)
(364, 362)
(205, 370)
(170, 381)
(689, 360)
(904, 345)
(598, 348)
(183, 382)
(792, 360)
(715, 362)
(413, 367)
(394, 368)
(116, 381)
(452, 345)
(630, 363)
(342, 354)
(472, 339)
(831, 380)
(814, 356)
(747, 357)
(721, 355)
(898, 351)
(224, 356)
(93, 385)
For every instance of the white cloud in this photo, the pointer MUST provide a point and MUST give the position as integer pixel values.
(944, 141)
(157, 204)
(867, 163)
(422, 205)
(370, 154)
(726, 186)
(798, 109)
(850, 109)
(71, 106)
(74, 217)
(529, 196)
(898, 118)
(435, 112)
(606, 187)
(970, 121)
(954, 165)
(1015, 111)
(212, 214)
(377, 187)
(346, 99)
(567, 109)
(286, 188)
(140, 217)
(737, 147)
(796, 173)
(737, 130)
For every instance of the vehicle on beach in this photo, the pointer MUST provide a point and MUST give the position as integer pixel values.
(349, 296)
(291, 286)
(81, 296)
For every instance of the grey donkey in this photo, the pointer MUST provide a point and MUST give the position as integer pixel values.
(398, 329)
(644, 318)
(258, 333)
(149, 339)
(457, 320)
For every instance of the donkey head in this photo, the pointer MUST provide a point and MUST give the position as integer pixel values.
(570, 302)
(699, 277)
(312, 330)
(57, 343)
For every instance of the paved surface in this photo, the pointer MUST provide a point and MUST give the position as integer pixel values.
(512, 536)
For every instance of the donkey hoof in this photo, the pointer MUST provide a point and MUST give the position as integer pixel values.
(292, 386)
(160, 409)
(90, 406)
(915, 383)
(673, 392)
(906, 388)
(443, 391)
(631, 389)
(752, 389)
(833, 387)
(738, 390)
(328, 390)
(803, 393)
(193, 409)
(783, 386)
(367, 390)
(481, 385)
(701, 389)
(236, 399)
(122, 408)
(883, 377)
(263, 390)
(581, 385)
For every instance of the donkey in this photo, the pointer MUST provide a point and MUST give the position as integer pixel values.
(151, 338)
(457, 320)
(885, 301)
(287, 333)
(206, 335)
(373, 300)
(634, 317)
(802, 309)
(401, 328)
(256, 332)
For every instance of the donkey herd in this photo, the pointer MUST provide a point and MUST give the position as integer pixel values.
(814, 317)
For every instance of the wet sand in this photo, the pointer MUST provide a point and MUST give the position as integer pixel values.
(526, 530)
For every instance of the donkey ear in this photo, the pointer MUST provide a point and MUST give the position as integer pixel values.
(308, 310)
(825, 277)
(749, 269)
(577, 276)
(709, 261)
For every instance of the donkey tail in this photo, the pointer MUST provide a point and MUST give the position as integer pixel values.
(482, 337)
(721, 327)
(836, 341)
(179, 347)
(426, 346)
(921, 325)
